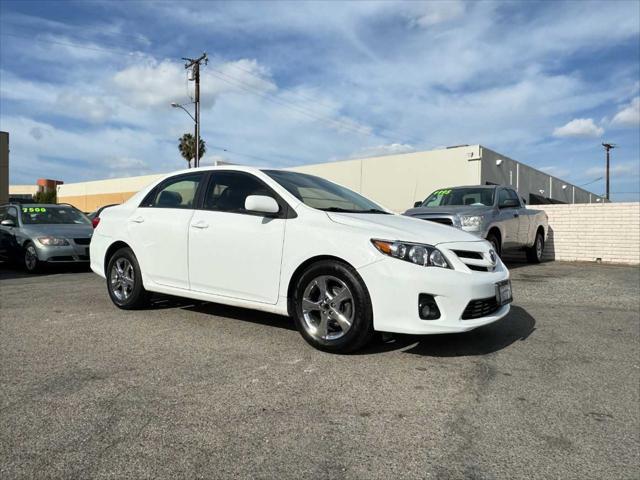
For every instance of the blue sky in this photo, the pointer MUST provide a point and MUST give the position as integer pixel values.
(86, 87)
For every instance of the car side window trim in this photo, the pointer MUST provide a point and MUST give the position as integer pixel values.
(149, 198)
(285, 209)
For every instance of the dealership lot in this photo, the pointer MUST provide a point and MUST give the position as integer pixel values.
(189, 389)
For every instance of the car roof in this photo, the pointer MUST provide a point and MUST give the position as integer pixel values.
(471, 186)
(237, 168)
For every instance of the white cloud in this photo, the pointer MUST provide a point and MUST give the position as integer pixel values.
(629, 116)
(556, 171)
(87, 107)
(380, 150)
(153, 83)
(579, 127)
(429, 14)
(628, 169)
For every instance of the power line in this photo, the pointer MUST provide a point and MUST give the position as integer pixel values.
(249, 89)
(592, 181)
(73, 45)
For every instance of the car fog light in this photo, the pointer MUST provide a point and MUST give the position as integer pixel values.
(427, 307)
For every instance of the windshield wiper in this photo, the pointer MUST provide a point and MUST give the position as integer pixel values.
(374, 210)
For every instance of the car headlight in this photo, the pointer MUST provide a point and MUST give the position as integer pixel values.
(420, 254)
(53, 241)
(470, 220)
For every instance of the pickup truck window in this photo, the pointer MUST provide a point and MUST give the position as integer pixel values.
(460, 196)
(508, 198)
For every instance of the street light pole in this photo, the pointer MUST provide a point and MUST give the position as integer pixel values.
(177, 105)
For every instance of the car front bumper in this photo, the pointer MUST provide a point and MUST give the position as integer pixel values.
(71, 253)
(395, 286)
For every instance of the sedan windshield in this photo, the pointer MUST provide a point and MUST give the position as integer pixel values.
(322, 194)
(472, 196)
(52, 214)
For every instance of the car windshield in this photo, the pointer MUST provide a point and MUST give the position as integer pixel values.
(52, 214)
(471, 196)
(322, 194)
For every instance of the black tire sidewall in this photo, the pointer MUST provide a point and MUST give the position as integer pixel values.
(540, 239)
(495, 243)
(361, 330)
(532, 252)
(139, 295)
(38, 264)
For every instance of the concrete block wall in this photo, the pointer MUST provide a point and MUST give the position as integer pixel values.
(588, 232)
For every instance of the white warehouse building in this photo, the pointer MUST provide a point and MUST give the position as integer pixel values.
(398, 181)
(395, 181)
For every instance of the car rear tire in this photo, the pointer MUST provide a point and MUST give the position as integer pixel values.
(30, 260)
(124, 281)
(534, 253)
(332, 309)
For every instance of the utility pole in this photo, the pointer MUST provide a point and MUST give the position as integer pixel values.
(607, 148)
(194, 63)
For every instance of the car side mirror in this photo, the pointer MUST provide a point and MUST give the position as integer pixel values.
(261, 204)
(510, 203)
(8, 223)
(417, 204)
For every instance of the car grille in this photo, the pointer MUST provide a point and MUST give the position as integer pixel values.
(82, 241)
(444, 221)
(468, 254)
(480, 308)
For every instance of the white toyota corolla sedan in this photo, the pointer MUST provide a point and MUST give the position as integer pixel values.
(295, 244)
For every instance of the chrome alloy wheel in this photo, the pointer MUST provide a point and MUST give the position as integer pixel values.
(328, 308)
(539, 247)
(30, 257)
(122, 279)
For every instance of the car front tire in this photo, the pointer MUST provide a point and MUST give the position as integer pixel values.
(332, 309)
(30, 260)
(124, 281)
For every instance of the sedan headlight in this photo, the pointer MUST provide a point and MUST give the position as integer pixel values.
(53, 241)
(470, 220)
(420, 254)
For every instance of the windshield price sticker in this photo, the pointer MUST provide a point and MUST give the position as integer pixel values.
(33, 210)
(439, 193)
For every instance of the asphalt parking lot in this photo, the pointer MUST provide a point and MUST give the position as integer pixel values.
(194, 390)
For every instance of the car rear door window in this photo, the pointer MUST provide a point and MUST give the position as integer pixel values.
(178, 192)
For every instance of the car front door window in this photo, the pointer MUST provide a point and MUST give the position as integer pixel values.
(228, 191)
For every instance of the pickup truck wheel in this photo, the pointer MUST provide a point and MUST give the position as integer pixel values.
(534, 253)
(495, 243)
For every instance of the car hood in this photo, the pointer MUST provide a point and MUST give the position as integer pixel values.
(56, 230)
(449, 210)
(398, 227)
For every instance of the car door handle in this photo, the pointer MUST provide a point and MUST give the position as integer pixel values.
(516, 214)
(200, 225)
(137, 220)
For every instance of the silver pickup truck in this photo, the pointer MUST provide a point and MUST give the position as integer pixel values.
(493, 212)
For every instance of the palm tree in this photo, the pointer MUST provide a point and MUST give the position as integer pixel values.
(187, 147)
